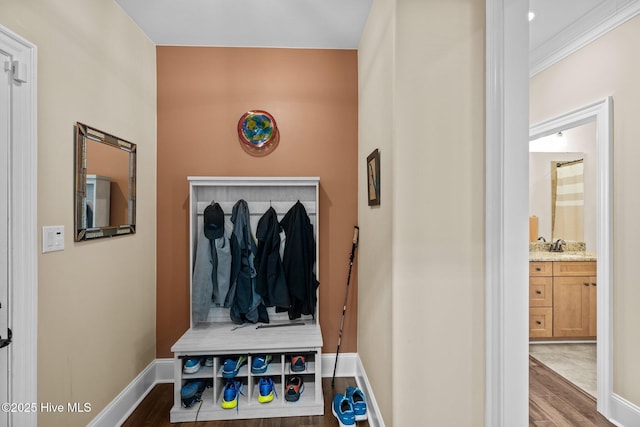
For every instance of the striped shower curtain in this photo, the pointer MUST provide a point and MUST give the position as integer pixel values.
(567, 192)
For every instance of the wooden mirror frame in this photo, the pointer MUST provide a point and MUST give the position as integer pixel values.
(83, 134)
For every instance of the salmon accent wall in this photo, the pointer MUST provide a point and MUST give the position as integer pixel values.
(313, 96)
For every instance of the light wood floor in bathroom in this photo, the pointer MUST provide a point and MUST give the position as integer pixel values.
(554, 401)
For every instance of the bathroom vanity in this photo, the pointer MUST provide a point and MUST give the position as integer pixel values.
(562, 295)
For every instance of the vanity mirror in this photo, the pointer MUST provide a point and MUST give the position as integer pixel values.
(105, 184)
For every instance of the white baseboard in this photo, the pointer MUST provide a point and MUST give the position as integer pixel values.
(116, 412)
(346, 364)
(373, 411)
(162, 371)
(623, 412)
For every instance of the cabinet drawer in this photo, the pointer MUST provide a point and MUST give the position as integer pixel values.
(540, 268)
(574, 268)
(540, 291)
(540, 322)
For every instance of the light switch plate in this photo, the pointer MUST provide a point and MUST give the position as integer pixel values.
(52, 238)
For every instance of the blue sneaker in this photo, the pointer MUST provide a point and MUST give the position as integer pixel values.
(191, 392)
(294, 388)
(208, 361)
(260, 364)
(191, 366)
(298, 364)
(232, 366)
(356, 396)
(266, 390)
(230, 394)
(342, 409)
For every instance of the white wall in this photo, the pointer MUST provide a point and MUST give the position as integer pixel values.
(436, 211)
(96, 315)
(376, 130)
(609, 66)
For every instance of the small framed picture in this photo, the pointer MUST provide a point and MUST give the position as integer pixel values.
(373, 177)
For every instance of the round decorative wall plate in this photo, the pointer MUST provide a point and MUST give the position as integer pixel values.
(257, 129)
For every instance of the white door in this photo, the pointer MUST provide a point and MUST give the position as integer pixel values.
(5, 103)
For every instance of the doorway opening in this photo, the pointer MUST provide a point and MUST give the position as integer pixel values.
(597, 203)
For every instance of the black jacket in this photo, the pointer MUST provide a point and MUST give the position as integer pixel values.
(298, 261)
(270, 281)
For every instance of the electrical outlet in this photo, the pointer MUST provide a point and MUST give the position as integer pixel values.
(52, 238)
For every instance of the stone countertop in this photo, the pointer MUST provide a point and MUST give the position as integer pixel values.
(562, 256)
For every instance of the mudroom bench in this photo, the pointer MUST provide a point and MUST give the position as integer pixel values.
(218, 339)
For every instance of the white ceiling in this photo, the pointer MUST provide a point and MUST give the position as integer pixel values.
(326, 24)
(558, 29)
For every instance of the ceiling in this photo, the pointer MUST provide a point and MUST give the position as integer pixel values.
(324, 24)
(338, 24)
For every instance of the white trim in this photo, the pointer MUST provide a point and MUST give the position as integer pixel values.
(556, 50)
(506, 166)
(601, 113)
(23, 223)
(623, 412)
(165, 370)
(347, 363)
(374, 416)
(120, 408)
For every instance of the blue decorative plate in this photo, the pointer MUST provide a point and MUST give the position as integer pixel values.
(257, 129)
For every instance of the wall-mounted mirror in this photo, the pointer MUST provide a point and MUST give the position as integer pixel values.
(105, 184)
(562, 184)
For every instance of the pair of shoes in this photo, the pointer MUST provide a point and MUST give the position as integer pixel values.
(191, 392)
(208, 361)
(349, 407)
(232, 366)
(298, 364)
(230, 394)
(191, 366)
(266, 390)
(260, 364)
(293, 389)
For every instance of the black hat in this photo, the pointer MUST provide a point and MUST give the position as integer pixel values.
(213, 221)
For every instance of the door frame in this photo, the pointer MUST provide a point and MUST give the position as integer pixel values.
(601, 112)
(506, 222)
(23, 225)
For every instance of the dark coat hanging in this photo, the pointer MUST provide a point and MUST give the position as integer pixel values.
(270, 280)
(298, 261)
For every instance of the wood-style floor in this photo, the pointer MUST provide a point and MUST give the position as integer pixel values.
(154, 411)
(554, 401)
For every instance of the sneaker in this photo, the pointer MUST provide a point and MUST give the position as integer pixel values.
(342, 409)
(294, 388)
(208, 361)
(191, 366)
(232, 366)
(191, 392)
(356, 396)
(230, 394)
(298, 364)
(266, 390)
(260, 364)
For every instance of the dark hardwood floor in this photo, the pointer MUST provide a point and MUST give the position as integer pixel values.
(154, 411)
(554, 401)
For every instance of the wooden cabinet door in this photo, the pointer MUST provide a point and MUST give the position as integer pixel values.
(593, 297)
(540, 291)
(571, 306)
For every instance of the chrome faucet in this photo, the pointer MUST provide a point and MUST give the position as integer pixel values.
(557, 246)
